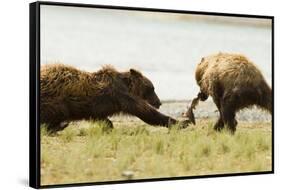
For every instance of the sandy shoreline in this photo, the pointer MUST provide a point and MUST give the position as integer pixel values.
(208, 110)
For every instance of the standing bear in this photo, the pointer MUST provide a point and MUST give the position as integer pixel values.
(234, 83)
(68, 94)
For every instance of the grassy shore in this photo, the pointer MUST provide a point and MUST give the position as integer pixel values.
(87, 151)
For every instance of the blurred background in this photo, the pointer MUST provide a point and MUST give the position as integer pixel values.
(165, 47)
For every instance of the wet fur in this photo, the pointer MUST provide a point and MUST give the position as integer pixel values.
(234, 83)
(68, 94)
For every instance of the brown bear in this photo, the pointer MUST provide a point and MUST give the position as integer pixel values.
(234, 83)
(68, 94)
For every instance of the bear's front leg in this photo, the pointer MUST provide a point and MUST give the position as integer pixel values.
(144, 111)
(108, 123)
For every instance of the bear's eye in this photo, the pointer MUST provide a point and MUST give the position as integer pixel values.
(148, 91)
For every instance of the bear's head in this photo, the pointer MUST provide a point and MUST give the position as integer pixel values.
(142, 87)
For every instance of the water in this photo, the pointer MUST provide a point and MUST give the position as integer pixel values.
(164, 47)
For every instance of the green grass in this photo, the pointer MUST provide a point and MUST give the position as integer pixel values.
(88, 151)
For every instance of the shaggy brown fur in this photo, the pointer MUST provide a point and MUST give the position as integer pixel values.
(234, 83)
(68, 94)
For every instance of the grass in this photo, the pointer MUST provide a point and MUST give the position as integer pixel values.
(88, 151)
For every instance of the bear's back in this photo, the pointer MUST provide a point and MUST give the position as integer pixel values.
(62, 80)
(229, 71)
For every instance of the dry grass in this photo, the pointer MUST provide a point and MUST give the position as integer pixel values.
(89, 152)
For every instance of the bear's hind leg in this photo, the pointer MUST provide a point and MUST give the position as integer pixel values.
(228, 114)
(219, 125)
(56, 127)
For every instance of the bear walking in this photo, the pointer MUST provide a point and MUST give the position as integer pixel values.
(68, 94)
(234, 83)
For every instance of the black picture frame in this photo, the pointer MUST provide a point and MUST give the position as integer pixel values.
(34, 91)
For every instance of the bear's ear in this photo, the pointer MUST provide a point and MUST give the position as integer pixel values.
(202, 60)
(135, 72)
